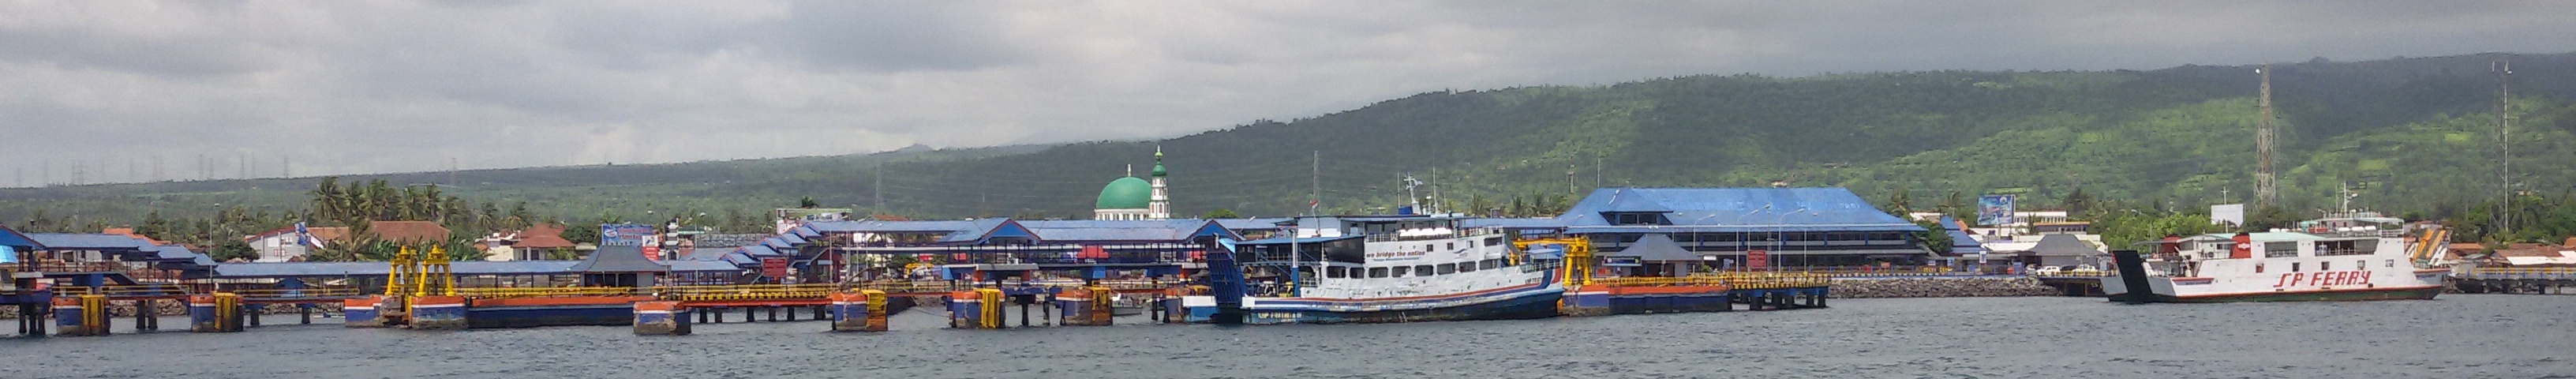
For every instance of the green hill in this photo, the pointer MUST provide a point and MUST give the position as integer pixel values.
(2414, 134)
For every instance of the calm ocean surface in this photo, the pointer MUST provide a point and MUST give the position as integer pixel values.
(2458, 336)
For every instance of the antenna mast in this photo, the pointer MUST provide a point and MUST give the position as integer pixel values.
(2504, 143)
(2265, 191)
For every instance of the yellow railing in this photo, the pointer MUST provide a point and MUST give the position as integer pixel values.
(747, 292)
(132, 290)
(1775, 280)
(286, 293)
(496, 293)
(2521, 271)
(1693, 280)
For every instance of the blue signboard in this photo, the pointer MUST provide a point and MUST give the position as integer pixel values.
(1994, 209)
(623, 234)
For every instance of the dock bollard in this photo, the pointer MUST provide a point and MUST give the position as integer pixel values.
(661, 318)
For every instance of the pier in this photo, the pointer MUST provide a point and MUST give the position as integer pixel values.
(2514, 280)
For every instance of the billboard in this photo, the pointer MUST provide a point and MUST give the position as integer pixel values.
(1994, 210)
(790, 218)
(624, 234)
(1757, 259)
(2230, 214)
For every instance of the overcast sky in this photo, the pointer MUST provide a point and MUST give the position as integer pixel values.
(378, 86)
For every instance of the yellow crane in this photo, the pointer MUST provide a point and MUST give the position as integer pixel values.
(1578, 258)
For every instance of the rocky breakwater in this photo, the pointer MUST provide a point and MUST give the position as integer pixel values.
(1940, 287)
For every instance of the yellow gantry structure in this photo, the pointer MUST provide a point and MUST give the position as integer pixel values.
(1578, 258)
(428, 275)
(436, 279)
(398, 281)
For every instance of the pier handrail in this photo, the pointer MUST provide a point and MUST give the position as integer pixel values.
(2519, 271)
(290, 293)
(522, 292)
(747, 292)
(124, 290)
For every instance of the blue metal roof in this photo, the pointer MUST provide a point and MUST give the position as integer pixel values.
(791, 239)
(1513, 223)
(806, 231)
(88, 241)
(13, 239)
(1076, 231)
(173, 253)
(710, 253)
(1252, 223)
(1286, 240)
(618, 258)
(687, 266)
(1735, 210)
(1960, 241)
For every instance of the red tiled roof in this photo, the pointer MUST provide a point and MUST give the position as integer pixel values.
(329, 233)
(409, 231)
(542, 242)
(543, 230)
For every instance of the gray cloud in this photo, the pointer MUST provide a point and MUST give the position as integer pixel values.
(372, 86)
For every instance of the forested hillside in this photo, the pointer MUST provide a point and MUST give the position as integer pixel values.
(2409, 135)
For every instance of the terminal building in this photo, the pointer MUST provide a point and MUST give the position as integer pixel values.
(1674, 231)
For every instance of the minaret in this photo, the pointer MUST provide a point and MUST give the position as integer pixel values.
(1161, 207)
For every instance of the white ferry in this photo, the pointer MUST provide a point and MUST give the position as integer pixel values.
(2353, 256)
(1376, 269)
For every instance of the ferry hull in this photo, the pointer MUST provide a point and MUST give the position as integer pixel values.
(2424, 293)
(1525, 307)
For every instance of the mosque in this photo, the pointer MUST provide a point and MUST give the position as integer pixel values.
(1129, 198)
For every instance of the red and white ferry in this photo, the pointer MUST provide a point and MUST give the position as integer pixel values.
(2353, 256)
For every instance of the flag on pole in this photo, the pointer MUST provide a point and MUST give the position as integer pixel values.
(304, 237)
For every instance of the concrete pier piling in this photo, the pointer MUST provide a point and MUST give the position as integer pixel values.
(84, 315)
(1085, 306)
(656, 318)
(864, 311)
(438, 313)
(362, 312)
(215, 313)
(977, 309)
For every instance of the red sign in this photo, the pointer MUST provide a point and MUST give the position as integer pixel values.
(2324, 278)
(1757, 259)
(653, 253)
(773, 267)
(1093, 252)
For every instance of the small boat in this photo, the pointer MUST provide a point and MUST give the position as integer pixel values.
(1373, 269)
(2350, 256)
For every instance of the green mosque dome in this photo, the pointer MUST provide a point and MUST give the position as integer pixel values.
(1125, 193)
